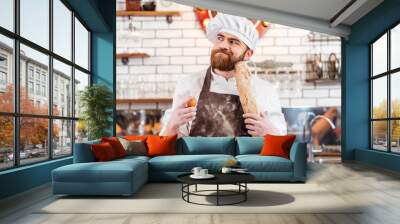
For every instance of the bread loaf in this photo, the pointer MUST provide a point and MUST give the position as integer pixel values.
(243, 83)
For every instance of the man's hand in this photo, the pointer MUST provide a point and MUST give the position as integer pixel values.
(255, 124)
(180, 116)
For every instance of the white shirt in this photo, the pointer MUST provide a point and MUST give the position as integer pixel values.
(266, 95)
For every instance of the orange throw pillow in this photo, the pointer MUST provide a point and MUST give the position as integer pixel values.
(116, 145)
(277, 145)
(161, 145)
(103, 151)
(135, 137)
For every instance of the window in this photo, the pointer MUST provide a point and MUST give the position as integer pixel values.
(6, 142)
(3, 78)
(44, 91)
(62, 29)
(30, 87)
(46, 131)
(385, 96)
(62, 73)
(62, 137)
(6, 74)
(37, 74)
(3, 72)
(35, 22)
(37, 89)
(81, 45)
(7, 14)
(30, 72)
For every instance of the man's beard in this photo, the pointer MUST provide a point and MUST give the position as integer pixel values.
(224, 60)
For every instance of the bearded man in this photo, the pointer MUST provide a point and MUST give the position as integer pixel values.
(219, 111)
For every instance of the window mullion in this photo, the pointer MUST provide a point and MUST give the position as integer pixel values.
(73, 82)
(389, 106)
(50, 81)
(16, 84)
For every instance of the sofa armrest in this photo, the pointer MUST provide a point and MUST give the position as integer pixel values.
(83, 152)
(298, 155)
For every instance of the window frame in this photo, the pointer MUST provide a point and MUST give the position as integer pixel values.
(388, 74)
(15, 68)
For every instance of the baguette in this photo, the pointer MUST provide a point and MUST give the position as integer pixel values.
(243, 84)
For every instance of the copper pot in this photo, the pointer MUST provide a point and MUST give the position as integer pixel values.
(133, 5)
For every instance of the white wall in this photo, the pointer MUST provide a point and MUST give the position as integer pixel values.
(180, 48)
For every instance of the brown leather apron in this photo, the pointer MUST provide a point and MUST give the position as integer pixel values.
(218, 114)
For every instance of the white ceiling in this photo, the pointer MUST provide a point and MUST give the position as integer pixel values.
(315, 15)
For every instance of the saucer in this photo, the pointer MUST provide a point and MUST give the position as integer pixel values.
(208, 176)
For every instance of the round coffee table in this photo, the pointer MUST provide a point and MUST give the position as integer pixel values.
(238, 179)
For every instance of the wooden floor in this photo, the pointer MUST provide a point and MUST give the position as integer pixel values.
(379, 189)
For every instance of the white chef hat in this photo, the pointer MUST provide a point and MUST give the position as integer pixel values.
(238, 26)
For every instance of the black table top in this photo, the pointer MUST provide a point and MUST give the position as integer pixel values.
(220, 178)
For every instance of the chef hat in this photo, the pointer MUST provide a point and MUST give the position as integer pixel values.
(238, 26)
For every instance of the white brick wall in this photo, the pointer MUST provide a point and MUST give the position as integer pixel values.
(181, 48)
(183, 60)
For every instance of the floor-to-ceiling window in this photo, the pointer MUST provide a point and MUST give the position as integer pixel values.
(44, 64)
(385, 91)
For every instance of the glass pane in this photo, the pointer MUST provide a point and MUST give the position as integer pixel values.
(35, 21)
(379, 97)
(7, 14)
(379, 55)
(81, 81)
(62, 138)
(395, 47)
(62, 29)
(81, 131)
(395, 94)
(6, 142)
(81, 45)
(34, 97)
(379, 135)
(62, 89)
(6, 74)
(395, 136)
(33, 139)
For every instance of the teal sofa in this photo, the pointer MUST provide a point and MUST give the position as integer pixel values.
(125, 176)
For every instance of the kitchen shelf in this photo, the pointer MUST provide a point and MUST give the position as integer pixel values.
(125, 56)
(168, 14)
(323, 81)
(132, 55)
(148, 13)
(144, 100)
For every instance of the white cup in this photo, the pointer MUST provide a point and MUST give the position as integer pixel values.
(226, 170)
(203, 172)
(196, 171)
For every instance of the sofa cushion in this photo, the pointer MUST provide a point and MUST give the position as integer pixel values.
(134, 147)
(257, 163)
(206, 145)
(116, 145)
(249, 145)
(103, 152)
(185, 163)
(277, 145)
(111, 171)
(161, 145)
